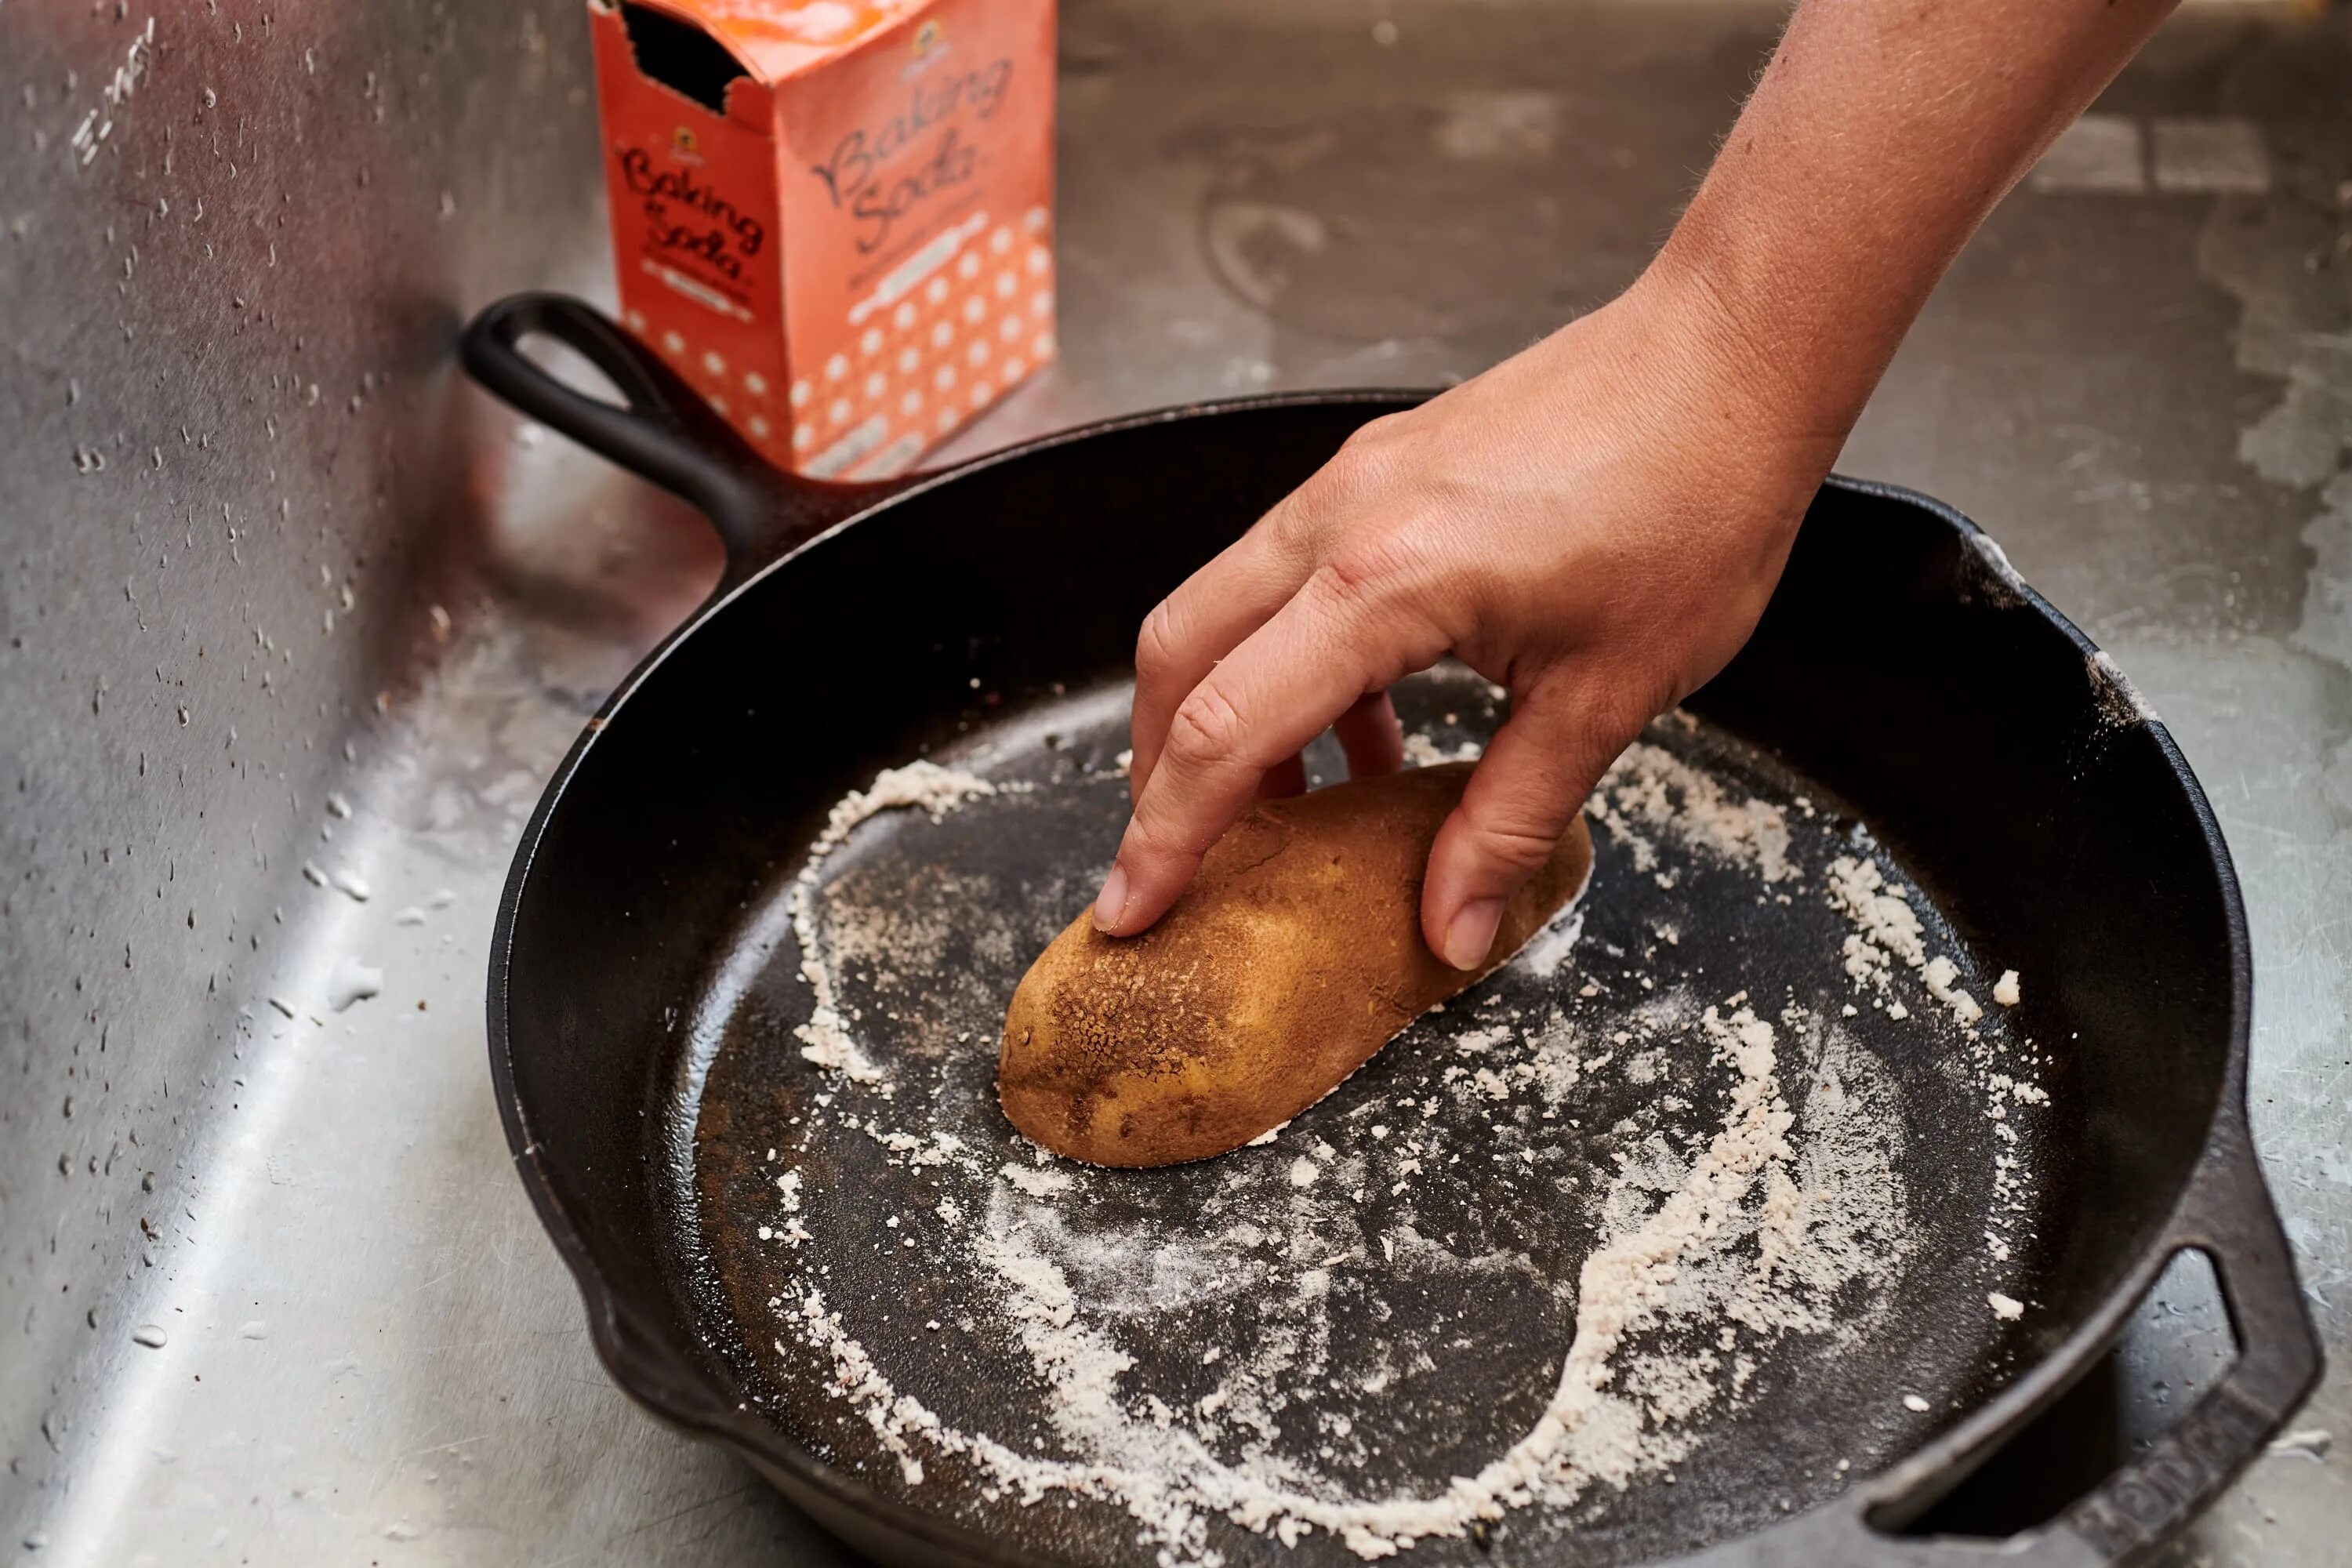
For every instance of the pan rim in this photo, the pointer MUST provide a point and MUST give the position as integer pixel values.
(681, 1394)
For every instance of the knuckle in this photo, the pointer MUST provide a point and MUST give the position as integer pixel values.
(1368, 466)
(1375, 435)
(1519, 831)
(1207, 727)
(1155, 643)
(1346, 580)
(1291, 528)
(1373, 564)
(1364, 466)
(1152, 840)
(1625, 705)
(1520, 848)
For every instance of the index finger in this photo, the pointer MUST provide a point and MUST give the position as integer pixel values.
(1209, 613)
(1286, 682)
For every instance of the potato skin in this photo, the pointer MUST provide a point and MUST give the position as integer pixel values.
(1294, 956)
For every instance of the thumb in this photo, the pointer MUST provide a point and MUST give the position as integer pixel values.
(1525, 794)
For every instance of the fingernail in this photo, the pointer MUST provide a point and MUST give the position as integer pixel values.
(1113, 901)
(1471, 936)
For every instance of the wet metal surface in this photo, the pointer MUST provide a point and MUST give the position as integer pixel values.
(292, 617)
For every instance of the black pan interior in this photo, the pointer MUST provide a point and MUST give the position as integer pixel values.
(1901, 684)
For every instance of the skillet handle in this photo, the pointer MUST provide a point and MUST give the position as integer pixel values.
(662, 430)
(2228, 1215)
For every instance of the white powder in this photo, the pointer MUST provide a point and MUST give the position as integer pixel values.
(915, 1152)
(1885, 928)
(1994, 563)
(2001, 1084)
(1885, 922)
(1421, 752)
(2007, 1308)
(1037, 1180)
(1557, 938)
(1669, 1258)
(1478, 1042)
(1938, 973)
(1650, 785)
(2120, 702)
(1555, 1062)
(825, 1038)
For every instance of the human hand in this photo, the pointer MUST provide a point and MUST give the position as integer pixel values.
(1595, 523)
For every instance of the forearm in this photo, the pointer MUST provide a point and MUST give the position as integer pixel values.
(1880, 136)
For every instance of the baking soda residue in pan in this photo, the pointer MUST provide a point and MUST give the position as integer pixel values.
(1732, 1159)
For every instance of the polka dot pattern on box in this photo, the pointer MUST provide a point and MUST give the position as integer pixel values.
(902, 376)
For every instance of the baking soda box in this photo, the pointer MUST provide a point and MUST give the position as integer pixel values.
(834, 219)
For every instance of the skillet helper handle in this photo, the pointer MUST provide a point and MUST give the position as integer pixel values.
(2227, 1214)
(663, 431)
(2230, 1218)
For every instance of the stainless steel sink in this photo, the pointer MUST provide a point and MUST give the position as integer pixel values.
(293, 624)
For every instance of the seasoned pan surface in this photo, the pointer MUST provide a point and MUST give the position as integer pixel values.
(1827, 1179)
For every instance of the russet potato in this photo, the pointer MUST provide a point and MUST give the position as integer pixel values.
(1294, 956)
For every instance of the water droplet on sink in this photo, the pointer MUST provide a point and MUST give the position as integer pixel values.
(352, 981)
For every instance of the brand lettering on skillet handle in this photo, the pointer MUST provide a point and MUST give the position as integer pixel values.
(2158, 1491)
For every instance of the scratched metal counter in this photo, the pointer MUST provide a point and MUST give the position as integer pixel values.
(296, 624)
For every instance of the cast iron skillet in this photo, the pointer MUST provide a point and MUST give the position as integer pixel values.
(1900, 667)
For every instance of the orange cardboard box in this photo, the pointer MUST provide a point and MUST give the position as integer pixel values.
(834, 218)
